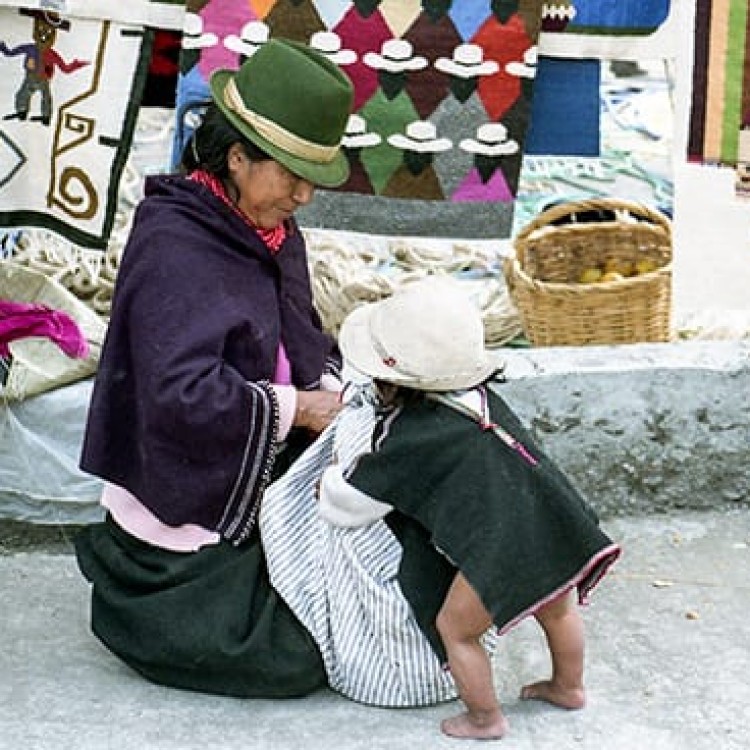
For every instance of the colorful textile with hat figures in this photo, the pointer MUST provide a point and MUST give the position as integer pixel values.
(720, 115)
(70, 88)
(442, 100)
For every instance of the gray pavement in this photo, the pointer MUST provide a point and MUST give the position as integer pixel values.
(668, 664)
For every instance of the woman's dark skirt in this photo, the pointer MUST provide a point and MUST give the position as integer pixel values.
(207, 621)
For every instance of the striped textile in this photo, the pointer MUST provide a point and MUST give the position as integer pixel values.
(341, 583)
(720, 109)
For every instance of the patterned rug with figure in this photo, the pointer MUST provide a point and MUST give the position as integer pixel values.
(70, 88)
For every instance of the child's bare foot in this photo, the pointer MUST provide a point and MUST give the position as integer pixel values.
(491, 726)
(558, 695)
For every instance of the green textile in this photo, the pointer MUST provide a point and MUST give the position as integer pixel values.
(735, 73)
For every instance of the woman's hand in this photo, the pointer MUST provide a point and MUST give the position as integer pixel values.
(316, 409)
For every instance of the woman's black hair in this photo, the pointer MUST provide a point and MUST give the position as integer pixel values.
(209, 145)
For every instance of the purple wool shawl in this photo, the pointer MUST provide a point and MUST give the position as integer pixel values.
(182, 413)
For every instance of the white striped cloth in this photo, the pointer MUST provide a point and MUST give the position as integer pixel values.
(341, 582)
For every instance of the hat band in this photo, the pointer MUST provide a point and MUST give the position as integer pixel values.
(274, 133)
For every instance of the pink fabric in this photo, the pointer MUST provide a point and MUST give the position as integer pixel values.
(474, 189)
(22, 319)
(286, 394)
(132, 516)
(329, 382)
(283, 374)
(287, 398)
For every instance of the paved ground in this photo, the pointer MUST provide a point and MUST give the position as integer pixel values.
(668, 639)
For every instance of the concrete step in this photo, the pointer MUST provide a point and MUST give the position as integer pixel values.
(667, 666)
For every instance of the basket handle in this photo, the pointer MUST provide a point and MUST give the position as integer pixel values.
(564, 210)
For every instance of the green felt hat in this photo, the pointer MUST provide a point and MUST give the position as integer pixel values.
(293, 103)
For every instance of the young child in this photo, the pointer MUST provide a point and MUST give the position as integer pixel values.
(450, 455)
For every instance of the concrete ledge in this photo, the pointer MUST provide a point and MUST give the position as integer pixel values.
(641, 428)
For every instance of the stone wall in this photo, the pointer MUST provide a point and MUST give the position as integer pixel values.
(639, 429)
(642, 428)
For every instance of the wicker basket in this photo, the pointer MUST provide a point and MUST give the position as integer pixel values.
(555, 249)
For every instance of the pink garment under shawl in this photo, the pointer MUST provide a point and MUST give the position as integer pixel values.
(131, 515)
(23, 319)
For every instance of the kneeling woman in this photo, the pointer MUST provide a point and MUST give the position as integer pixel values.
(214, 375)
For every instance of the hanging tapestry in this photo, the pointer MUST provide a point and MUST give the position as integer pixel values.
(631, 17)
(442, 99)
(719, 130)
(565, 113)
(69, 94)
(613, 29)
(602, 113)
(568, 91)
(161, 14)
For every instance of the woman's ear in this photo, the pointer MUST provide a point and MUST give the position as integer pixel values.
(235, 156)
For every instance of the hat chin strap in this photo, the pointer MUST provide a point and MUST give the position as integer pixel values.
(275, 134)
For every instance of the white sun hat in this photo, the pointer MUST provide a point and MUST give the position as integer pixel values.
(356, 135)
(421, 136)
(527, 68)
(193, 36)
(329, 43)
(467, 62)
(491, 140)
(253, 36)
(396, 56)
(428, 335)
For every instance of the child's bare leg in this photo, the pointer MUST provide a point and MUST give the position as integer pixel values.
(563, 628)
(461, 622)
